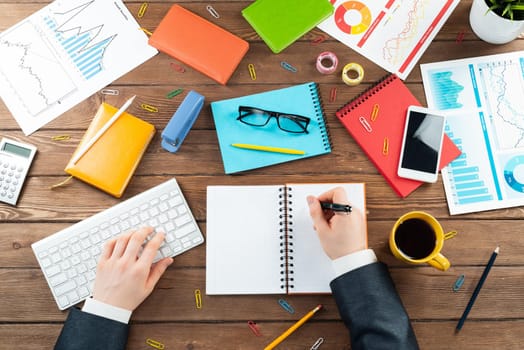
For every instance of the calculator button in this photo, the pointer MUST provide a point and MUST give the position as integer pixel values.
(17, 176)
(20, 169)
(5, 165)
(3, 193)
(8, 180)
(13, 167)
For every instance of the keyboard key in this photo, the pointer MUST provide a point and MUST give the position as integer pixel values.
(65, 287)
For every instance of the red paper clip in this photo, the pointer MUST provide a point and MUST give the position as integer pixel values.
(254, 328)
(460, 37)
(333, 94)
(177, 67)
(318, 40)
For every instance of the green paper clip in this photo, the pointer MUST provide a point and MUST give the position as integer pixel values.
(174, 93)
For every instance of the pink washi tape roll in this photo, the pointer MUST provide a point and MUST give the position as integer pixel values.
(327, 62)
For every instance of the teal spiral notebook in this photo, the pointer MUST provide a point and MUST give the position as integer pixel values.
(303, 100)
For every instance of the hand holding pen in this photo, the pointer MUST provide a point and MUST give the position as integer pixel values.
(339, 234)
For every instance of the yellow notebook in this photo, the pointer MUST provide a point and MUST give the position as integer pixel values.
(113, 158)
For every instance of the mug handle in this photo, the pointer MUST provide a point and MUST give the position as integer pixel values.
(440, 262)
(450, 234)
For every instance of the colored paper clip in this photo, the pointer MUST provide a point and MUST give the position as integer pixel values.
(174, 93)
(142, 10)
(254, 328)
(365, 124)
(177, 67)
(61, 138)
(198, 299)
(385, 147)
(212, 11)
(146, 31)
(285, 305)
(318, 40)
(458, 283)
(460, 37)
(252, 72)
(149, 108)
(154, 344)
(288, 67)
(374, 112)
(110, 92)
(317, 344)
(333, 94)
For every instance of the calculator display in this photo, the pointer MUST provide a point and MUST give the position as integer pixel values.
(14, 149)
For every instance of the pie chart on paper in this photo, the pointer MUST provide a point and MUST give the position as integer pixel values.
(353, 17)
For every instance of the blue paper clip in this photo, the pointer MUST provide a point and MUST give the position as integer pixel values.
(286, 306)
(182, 121)
(288, 67)
(458, 283)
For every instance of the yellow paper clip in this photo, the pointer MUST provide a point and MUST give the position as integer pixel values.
(385, 147)
(374, 112)
(177, 67)
(288, 67)
(317, 344)
(365, 124)
(212, 11)
(333, 94)
(61, 138)
(253, 326)
(198, 299)
(146, 31)
(148, 108)
(174, 93)
(142, 10)
(154, 344)
(110, 92)
(252, 72)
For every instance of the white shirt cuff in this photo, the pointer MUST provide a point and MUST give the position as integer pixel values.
(353, 261)
(102, 309)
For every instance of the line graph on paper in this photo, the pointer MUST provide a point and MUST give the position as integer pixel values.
(44, 59)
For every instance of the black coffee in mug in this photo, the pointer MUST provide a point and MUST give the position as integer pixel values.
(415, 238)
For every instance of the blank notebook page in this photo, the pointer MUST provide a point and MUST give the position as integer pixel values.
(242, 255)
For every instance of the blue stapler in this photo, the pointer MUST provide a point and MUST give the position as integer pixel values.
(182, 121)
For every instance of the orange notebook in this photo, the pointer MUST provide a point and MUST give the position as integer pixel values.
(113, 158)
(390, 97)
(199, 43)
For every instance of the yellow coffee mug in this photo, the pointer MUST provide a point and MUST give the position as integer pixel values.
(417, 238)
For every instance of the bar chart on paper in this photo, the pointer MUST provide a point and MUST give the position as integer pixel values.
(483, 99)
(65, 52)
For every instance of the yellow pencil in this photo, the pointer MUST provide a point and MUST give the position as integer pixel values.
(293, 328)
(268, 148)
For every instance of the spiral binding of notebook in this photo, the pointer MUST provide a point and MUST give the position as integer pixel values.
(286, 238)
(320, 117)
(361, 98)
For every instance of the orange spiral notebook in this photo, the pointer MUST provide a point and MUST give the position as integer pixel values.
(111, 161)
(376, 121)
(199, 43)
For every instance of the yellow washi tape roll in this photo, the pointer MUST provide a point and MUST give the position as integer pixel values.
(352, 67)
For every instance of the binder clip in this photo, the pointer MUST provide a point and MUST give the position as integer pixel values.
(182, 121)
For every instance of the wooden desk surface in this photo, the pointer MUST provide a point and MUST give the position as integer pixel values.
(29, 318)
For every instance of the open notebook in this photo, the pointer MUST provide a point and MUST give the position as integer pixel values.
(249, 234)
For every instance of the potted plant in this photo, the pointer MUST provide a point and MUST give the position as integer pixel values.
(497, 21)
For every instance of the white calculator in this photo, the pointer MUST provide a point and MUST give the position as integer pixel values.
(15, 160)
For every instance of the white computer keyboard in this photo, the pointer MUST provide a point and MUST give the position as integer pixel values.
(69, 257)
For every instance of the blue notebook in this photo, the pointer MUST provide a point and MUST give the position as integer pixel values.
(303, 100)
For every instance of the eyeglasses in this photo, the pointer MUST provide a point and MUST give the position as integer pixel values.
(287, 122)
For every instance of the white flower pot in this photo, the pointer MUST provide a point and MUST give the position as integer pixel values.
(490, 27)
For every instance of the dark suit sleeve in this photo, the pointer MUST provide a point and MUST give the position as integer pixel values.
(372, 310)
(87, 331)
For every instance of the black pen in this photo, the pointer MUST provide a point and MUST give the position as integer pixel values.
(336, 207)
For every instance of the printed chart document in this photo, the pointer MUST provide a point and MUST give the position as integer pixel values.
(483, 99)
(65, 52)
(392, 33)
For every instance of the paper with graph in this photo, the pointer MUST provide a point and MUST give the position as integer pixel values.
(63, 53)
(392, 33)
(483, 99)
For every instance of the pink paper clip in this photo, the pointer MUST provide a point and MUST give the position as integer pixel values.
(318, 40)
(460, 37)
(254, 328)
(333, 95)
(177, 67)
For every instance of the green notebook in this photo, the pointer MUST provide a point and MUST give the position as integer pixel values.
(281, 22)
